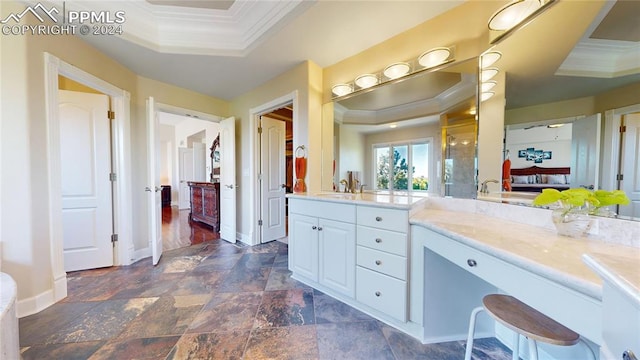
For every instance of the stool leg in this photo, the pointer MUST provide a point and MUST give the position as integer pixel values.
(533, 350)
(516, 346)
(472, 327)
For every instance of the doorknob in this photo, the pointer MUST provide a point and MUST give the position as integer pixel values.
(158, 188)
(229, 186)
(284, 186)
(147, 189)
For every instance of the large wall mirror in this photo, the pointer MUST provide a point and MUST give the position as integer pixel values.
(572, 78)
(415, 134)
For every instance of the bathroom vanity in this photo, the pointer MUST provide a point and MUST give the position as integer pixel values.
(356, 248)
(422, 265)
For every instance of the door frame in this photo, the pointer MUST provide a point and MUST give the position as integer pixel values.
(121, 165)
(176, 110)
(611, 144)
(254, 236)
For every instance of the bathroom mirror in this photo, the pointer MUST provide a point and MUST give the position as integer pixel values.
(405, 117)
(571, 74)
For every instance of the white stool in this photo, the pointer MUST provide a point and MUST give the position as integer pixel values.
(523, 320)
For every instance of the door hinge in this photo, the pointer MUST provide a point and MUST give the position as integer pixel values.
(111, 115)
(114, 238)
(113, 177)
(623, 129)
(619, 177)
(260, 130)
(259, 222)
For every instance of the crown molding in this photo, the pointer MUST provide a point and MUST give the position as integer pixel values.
(602, 58)
(197, 31)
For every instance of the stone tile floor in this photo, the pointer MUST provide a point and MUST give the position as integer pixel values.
(216, 300)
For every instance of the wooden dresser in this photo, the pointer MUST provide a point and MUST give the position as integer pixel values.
(205, 203)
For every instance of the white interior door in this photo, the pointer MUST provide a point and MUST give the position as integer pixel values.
(273, 181)
(153, 182)
(200, 161)
(185, 174)
(85, 150)
(228, 179)
(585, 152)
(631, 165)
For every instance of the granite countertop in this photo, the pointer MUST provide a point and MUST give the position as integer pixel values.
(389, 200)
(536, 249)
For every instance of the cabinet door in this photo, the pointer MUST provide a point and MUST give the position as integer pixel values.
(196, 201)
(337, 241)
(303, 246)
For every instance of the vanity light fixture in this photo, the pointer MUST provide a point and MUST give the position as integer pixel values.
(488, 74)
(489, 58)
(487, 85)
(513, 14)
(428, 60)
(397, 70)
(435, 57)
(342, 89)
(486, 95)
(366, 81)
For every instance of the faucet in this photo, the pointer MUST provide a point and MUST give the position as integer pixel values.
(346, 185)
(354, 185)
(484, 188)
(362, 187)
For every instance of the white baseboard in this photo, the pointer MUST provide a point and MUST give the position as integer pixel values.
(35, 304)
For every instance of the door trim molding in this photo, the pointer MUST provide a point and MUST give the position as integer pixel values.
(611, 144)
(122, 205)
(254, 155)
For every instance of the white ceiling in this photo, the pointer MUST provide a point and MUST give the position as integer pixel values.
(159, 44)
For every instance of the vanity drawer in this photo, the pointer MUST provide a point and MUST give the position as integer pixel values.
(382, 293)
(383, 240)
(323, 209)
(383, 218)
(382, 262)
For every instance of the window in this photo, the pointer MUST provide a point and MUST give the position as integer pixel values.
(402, 166)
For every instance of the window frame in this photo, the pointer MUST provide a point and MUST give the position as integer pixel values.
(431, 174)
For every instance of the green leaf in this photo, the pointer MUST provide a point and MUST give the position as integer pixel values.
(548, 196)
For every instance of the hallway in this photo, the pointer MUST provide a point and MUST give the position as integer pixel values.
(215, 300)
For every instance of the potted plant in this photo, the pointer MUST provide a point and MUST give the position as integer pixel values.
(571, 215)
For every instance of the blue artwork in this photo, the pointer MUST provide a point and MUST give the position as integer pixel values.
(535, 155)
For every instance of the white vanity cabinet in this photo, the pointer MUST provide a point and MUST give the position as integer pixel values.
(323, 243)
(381, 273)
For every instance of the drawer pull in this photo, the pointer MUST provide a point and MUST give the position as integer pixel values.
(378, 293)
(471, 262)
(629, 355)
(378, 262)
(378, 218)
(319, 228)
(378, 240)
(314, 227)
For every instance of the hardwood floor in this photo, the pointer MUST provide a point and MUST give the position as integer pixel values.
(178, 231)
(215, 300)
